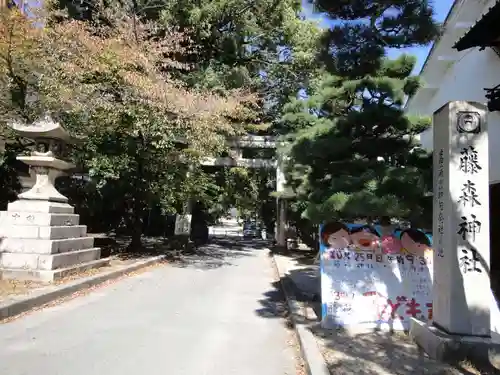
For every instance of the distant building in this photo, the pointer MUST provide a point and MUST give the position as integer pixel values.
(464, 64)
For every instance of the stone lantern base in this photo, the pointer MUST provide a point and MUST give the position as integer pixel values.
(40, 235)
(42, 240)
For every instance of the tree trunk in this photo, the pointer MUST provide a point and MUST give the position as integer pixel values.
(136, 229)
(136, 242)
(138, 199)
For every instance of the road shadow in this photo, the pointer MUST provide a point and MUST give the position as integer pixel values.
(240, 243)
(217, 253)
(112, 245)
(274, 305)
(302, 257)
(347, 352)
(380, 352)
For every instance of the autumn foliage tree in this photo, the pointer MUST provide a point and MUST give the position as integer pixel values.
(111, 84)
(264, 46)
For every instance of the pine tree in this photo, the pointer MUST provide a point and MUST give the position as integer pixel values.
(354, 152)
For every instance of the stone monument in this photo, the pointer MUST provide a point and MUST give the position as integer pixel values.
(40, 235)
(461, 293)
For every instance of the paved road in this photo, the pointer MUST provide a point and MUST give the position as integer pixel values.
(214, 315)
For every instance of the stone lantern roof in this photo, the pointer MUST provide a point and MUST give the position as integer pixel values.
(44, 128)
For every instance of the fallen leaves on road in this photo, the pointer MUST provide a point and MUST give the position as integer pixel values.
(10, 288)
(300, 365)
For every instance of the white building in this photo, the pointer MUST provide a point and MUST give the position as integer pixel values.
(449, 74)
(462, 63)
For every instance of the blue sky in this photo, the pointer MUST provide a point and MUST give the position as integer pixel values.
(441, 8)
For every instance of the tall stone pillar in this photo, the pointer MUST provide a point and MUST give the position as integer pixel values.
(461, 289)
(281, 223)
(281, 219)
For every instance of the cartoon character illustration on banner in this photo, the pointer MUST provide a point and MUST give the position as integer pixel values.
(334, 235)
(391, 244)
(375, 276)
(365, 238)
(415, 242)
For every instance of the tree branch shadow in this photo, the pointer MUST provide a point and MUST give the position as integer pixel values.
(274, 305)
(307, 257)
(366, 352)
(378, 352)
(217, 253)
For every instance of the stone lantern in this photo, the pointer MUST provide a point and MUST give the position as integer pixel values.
(47, 159)
(40, 235)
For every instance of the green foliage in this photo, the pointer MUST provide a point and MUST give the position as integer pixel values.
(366, 28)
(139, 75)
(354, 153)
(262, 46)
(10, 185)
(109, 84)
(248, 190)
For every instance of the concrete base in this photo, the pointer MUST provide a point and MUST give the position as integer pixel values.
(45, 246)
(43, 232)
(445, 347)
(32, 206)
(41, 219)
(48, 261)
(42, 240)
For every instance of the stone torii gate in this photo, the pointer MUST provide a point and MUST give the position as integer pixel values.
(40, 223)
(237, 159)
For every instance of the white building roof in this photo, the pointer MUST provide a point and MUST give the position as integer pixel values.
(462, 15)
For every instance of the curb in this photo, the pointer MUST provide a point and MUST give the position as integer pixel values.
(314, 360)
(46, 295)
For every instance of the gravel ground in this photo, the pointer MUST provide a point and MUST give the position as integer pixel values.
(380, 353)
(374, 353)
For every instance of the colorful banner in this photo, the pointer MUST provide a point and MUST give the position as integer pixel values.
(375, 277)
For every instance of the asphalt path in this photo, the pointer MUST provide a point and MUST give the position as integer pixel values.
(217, 313)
